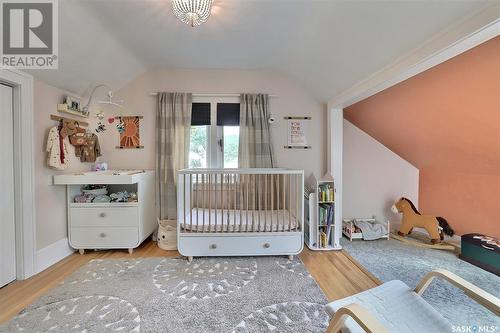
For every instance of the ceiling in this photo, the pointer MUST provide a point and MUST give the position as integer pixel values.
(326, 46)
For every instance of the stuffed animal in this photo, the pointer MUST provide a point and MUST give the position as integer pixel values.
(435, 226)
(103, 166)
(167, 234)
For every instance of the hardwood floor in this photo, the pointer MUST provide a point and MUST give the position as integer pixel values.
(336, 273)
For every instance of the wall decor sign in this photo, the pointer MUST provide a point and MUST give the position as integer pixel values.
(129, 129)
(297, 132)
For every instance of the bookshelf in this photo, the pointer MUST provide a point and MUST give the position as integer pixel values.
(320, 216)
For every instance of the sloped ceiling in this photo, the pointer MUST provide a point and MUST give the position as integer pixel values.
(327, 46)
(446, 118)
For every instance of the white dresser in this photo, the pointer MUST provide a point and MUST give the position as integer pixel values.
(112, 225)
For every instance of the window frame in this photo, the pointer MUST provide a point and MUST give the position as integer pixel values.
(215, 154)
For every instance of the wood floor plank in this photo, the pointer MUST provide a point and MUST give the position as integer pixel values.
(336, 273)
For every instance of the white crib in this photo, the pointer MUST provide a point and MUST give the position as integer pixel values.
(240, 212)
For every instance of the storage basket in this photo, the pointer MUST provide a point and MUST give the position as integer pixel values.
(167, 234)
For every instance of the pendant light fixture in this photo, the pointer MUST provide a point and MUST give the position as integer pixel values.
(192, 12)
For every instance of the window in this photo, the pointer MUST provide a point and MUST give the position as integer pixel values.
(215, 133)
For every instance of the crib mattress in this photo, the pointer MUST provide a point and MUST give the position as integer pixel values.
(236, 221)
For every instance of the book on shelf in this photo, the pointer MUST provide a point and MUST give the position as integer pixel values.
(325, 193)
(325, 214)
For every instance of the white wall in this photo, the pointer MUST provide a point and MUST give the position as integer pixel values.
(291, 100)
(374, 177)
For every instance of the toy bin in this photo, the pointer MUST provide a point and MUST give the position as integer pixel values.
(167, 234)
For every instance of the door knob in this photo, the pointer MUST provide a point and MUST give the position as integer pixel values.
(102, 215)
(102, 235)
(213, 246)
(267, 245)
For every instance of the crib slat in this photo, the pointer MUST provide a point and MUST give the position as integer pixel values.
(252, 179)
(184, 200)
(222, 202)
(209, 202)
(190, 202)
(194, 188)
(289, 204)
(204, 201)
(265, 202)
(257, 192)
(298, 215)
(272, 201)
(241, 201)
(247, 184)
(278, 203)
(234, 203)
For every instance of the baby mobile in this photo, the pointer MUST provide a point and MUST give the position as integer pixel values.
(101, 127)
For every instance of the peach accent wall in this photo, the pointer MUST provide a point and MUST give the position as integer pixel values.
(446, 122)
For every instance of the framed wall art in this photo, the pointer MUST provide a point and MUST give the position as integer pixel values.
(129, 129)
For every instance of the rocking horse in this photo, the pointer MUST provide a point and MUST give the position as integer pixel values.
(436, 227)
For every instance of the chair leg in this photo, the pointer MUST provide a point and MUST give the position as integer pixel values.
(190, 258)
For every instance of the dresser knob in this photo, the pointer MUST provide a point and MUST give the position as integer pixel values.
(102, 235)
(213, 246)
(267, 245)
(102, 215)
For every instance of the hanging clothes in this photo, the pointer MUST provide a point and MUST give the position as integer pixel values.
(57, 151)
(61, 143)
(91, 150)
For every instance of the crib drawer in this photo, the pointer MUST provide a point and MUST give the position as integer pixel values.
(236, 245)
(105, 216)
(104, 237)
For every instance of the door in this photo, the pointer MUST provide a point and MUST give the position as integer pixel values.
(7, 223)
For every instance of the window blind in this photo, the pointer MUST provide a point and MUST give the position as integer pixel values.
(228, 114)
(200, 114)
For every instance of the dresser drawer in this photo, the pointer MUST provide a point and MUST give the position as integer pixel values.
(229, 245)
(105, 216)
(104, 237)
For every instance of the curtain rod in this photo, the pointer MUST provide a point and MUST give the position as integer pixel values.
(211, 95)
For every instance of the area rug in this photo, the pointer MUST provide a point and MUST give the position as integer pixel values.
(252, 294)
(392, 259)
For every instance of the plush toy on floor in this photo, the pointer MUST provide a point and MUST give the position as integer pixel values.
(167, 234)
(435, 226)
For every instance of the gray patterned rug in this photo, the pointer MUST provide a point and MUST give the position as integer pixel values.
(395, 260)
(255, 294)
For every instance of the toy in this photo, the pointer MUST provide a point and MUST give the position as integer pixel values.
(121, 196)
(436, 227)
(167, 234)
(103, 166)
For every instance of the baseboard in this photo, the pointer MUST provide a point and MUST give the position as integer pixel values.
(52, 254)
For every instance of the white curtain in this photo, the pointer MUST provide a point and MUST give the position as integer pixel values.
(255, 146)
(173, 125)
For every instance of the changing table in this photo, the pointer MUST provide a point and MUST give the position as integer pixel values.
(110, 225)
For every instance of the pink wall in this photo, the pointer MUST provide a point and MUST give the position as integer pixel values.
(50, 200)
(446, 122)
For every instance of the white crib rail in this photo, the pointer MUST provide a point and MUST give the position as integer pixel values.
(240, 200)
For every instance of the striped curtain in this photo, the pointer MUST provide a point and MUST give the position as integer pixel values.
(173, 125)
(255, 146)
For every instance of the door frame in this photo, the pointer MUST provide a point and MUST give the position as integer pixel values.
(24, 176)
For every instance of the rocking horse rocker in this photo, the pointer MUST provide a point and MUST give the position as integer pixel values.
(436, 227)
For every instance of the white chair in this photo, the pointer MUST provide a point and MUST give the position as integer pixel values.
(395, 307)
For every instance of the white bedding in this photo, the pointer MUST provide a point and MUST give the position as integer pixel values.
(229, 220)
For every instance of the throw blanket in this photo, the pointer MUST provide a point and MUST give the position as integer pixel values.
(371, 229)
